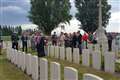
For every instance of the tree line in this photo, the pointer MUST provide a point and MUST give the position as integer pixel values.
(47, 14)
(8, 30)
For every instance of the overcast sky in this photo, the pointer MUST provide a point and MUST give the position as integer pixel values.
(15, 12)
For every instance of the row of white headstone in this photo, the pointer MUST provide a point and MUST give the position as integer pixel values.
(66, 54)
(9, 44)
(115, 48)
(29, 63)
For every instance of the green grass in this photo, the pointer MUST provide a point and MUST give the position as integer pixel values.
(82, 69)
(9, 71)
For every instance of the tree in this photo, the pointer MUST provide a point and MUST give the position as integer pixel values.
(47, 14)
(88, 12)
(19, 30)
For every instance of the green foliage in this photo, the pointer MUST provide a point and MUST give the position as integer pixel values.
(47, 14)
(88, 13)
(8, 30)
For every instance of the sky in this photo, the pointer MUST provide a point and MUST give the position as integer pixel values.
(15, 12)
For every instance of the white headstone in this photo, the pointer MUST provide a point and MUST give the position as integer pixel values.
(70, 73)
(76, 55)
(90, 47)
(86, 57)
(19, 59)
(96, 47)
(56, 52)
(96, 60)
(29, 65)
(55, 71)
(69, 54)
(43, 69)
(34, 67)
(109, 62)
(51, 51)
(91, 77)
(23, 61)
(62, 53)
(12, 53)
(115, 47)
(48, 50)
(15, 57)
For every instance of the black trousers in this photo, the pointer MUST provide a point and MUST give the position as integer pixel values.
(24, 46)
(54, 43)
(40, 51)
(109, 45)
(15, 45)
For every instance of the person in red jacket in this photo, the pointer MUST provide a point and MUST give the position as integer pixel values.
(85, 39)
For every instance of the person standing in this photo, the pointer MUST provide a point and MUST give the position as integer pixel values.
(62, 39)
(67, 40)
(24, 40)
(79, 41)
(74, 40)
(90, 37)
(110, 38)
(32, 42)
(1, 45)
(84, 40)
(54, 39)
(40, 44)
(14, 39)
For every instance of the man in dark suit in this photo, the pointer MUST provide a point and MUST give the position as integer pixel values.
(24, 39)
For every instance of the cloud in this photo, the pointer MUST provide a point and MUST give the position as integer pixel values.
(115, 17)
(115, 5)
(13, 9)
(29, 26)
(114, 24)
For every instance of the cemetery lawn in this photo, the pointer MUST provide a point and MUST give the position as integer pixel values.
(82, 69)
(9, 71)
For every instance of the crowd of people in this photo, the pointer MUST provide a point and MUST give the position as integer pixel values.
(38, 41)
(74, 40)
